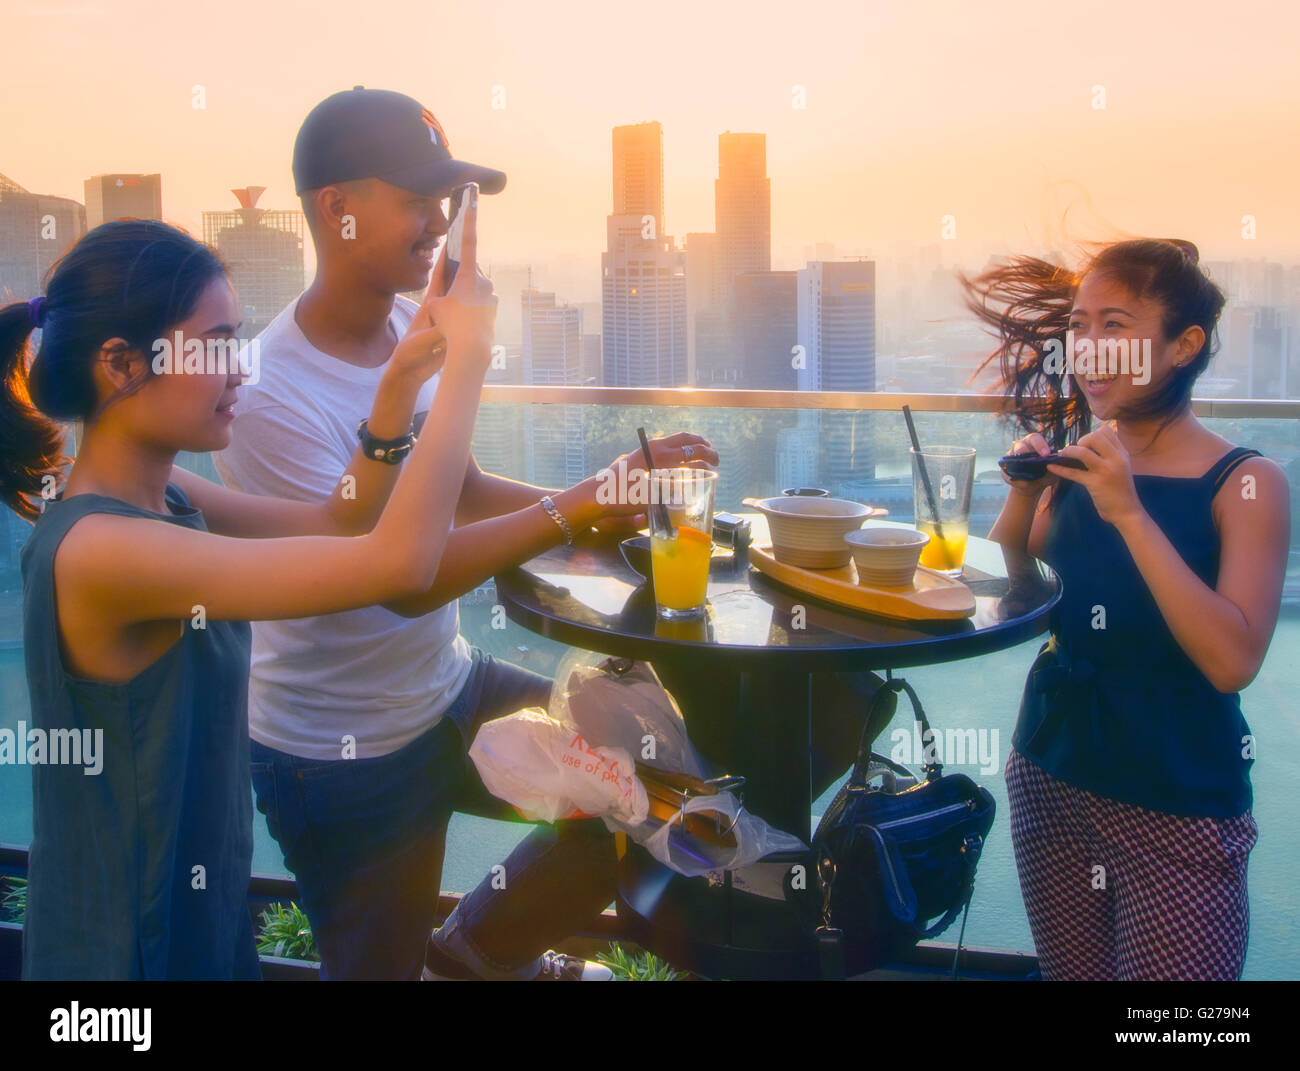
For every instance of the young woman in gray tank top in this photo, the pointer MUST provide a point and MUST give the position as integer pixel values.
(139, 580)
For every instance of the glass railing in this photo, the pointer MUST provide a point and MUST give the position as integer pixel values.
(854, 445)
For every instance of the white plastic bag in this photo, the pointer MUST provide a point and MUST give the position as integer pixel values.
(546, 770)
(621, 703)
(693, 857)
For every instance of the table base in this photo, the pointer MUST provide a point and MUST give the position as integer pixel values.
(715, 931)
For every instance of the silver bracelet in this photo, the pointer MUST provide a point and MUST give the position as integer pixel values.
(549, 505)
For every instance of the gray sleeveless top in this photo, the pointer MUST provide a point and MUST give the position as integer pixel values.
(139, 870)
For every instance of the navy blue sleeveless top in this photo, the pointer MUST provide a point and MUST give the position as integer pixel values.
(139, 870)
(1120, 710)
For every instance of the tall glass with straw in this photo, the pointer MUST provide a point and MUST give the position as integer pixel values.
(942, 480)
(681, 536)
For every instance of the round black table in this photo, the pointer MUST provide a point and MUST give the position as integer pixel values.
(744, 679)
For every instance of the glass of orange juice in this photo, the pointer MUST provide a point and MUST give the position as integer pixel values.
(951, 473)
(681, 539)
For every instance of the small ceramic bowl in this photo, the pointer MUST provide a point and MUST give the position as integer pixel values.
(886, 557)
(810, 531)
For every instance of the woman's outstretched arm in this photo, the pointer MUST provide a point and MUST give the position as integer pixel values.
(123, 570)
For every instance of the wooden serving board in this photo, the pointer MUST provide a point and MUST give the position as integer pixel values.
(932, 596)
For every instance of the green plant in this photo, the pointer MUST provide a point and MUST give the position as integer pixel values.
(14, 900)
(637, 966)
(286, 933)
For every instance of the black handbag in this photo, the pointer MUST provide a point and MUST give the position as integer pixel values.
(888, 860)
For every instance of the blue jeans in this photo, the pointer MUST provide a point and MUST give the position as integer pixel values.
(365, 839)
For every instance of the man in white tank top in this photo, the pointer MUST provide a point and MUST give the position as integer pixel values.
(360, 721)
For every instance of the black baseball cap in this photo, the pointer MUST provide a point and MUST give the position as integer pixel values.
(373, 133)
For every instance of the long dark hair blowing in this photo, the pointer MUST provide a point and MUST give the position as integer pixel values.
(1027, 302)
(129, 279)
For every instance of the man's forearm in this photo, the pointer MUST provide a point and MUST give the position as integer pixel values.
(478, 551)
(486, 495)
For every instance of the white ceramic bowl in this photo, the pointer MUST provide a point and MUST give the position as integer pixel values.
(886, 557)
(810, 531)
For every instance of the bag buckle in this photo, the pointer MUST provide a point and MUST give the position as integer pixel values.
(830, 939)
(617, 667)
(826, 878)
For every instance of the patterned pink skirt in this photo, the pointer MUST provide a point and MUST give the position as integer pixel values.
(1115, 891)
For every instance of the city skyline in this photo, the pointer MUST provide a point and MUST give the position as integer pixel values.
(665, 305)
(923, 340)
(878, 123)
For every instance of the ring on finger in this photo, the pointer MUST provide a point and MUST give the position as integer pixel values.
(688, 452)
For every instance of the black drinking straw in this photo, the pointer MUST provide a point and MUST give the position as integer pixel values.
(925, 479)
(661, 517)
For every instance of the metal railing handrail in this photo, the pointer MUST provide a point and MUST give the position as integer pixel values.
(708, 397)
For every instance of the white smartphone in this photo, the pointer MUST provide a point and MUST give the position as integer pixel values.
(460, 199)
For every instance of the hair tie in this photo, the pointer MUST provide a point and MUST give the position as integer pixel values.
(36, 312)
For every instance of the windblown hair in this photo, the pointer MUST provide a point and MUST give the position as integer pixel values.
(1027, 302)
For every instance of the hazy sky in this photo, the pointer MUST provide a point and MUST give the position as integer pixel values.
(913, 111)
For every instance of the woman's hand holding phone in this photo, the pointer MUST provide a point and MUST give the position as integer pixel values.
(457, 315)
(1033, 443)
(466, 312)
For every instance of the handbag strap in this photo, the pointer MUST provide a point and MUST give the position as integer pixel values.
(970, 856)
(887, 691)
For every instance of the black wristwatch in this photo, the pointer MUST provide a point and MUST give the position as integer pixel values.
(388, 451)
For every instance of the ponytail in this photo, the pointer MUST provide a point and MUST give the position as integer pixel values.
(31, 445)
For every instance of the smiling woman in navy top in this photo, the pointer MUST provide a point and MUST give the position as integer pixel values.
(1129, 776)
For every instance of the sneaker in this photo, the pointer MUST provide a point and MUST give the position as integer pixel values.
(557, 967)
(439, 966)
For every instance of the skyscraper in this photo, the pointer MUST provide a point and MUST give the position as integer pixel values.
(798, 452)
(123, 197)
(639, 172)
(1259, 349)
(35, 230)
(837, 330)
(703, 294)
(263, 251)
(498, 439)
(742, 207)
(552, 343)
(717, 356)
(554, 434)
(837, 325)
(741, 242)
(766, 304)
(508, 283)
(643, 290)
(643, 275)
